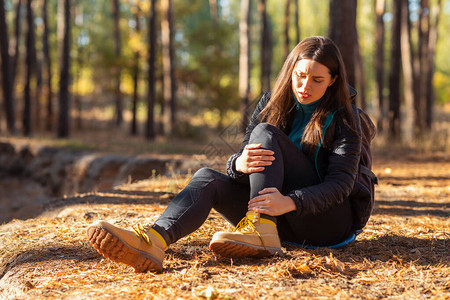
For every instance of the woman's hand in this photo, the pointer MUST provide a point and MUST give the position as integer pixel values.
(271, 202)
(254, 159)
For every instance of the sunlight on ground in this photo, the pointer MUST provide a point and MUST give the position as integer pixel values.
(402, 253)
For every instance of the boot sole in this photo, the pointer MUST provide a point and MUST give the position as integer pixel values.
(111, 247)
(237, 249)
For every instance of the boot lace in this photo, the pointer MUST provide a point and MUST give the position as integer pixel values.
(141, 231)
(247, 226)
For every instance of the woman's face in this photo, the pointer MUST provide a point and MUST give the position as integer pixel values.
(310, 80)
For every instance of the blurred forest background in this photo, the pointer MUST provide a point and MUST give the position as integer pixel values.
(98, 98)
(172, 68)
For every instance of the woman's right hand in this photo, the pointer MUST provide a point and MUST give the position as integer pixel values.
(254, 159)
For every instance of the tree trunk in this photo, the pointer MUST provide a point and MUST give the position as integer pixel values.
(78, 68)
(420, 65)
(359, 71)
(151, 94)
(408, 71)
(266, 45)
(48, 68)
(244, 61)
(286, 28)
(380, 7)
(64, 34)
(37, 120)
(162, 106)
(117, 50)
(77, 97)
(14, 51)
(435, 12)
(394, 75)
(297, 25)
(136, 70)
(30, 71)
(342, 30)
(8, 91)
(168, 67)
(78, 108)
(216, 71)
(213, 11)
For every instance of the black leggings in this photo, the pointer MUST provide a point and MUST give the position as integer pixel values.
(290, 170)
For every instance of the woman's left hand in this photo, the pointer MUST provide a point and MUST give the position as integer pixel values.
(271, 202)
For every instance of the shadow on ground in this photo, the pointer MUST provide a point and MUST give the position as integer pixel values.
(411, 208)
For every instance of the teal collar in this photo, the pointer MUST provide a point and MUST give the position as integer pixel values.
(306, 108)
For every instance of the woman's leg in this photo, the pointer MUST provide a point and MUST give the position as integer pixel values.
(291, 170)
(144, 249)
(258, 235)
(189, 209)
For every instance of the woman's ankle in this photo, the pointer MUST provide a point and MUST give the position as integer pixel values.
(161, 234)
(267, 217)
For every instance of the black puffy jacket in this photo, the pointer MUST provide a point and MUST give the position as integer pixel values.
(336, 162)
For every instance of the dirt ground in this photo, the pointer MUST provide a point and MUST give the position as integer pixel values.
(403, 253)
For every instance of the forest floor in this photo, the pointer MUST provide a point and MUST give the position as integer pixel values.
(403, 252)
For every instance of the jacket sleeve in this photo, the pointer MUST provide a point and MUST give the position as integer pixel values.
(231, 163)
(339, 177)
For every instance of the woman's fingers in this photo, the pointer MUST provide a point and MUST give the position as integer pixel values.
(256, 149)
(262, 211)
(258, 199)
(261, 158)
(259, 163)
(271, 202)
(252, 146)
(255, 169)
(254, 159)
(268, 190)
(264, 194)
(259, 152)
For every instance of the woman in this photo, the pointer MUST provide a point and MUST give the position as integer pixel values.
(289, 182)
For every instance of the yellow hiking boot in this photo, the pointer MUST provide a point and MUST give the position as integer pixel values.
(253, 236)
(143, 248)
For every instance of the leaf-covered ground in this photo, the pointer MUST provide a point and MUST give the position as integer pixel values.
(403, 253)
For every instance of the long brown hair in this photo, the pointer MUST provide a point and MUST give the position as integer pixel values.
(337, 97)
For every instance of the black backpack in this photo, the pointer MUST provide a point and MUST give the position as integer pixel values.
(363, 195)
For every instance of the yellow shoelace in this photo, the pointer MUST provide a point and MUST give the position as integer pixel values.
(246, 226)
(141, 232)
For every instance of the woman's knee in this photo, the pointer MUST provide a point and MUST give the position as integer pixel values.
(205, 176)
(206, 173)
(261, 132)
